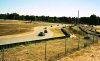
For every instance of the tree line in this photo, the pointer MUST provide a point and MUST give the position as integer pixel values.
(92, 20)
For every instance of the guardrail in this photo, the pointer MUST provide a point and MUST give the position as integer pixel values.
(35, 41)
(90, 32)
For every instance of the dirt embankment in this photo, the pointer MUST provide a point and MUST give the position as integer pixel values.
(91, 53)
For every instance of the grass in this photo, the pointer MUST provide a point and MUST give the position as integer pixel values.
(76, 28)
(36, 51)
(17, 27)
(7, 29)
(86, 54)
(57, 31)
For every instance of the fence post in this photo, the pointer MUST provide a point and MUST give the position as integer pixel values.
(45, 50)
(93, 39)
(65, 46)
(78, 43)
(2, 50)
(97, 39)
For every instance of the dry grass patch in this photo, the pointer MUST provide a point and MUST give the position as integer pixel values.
(36, 51)
(10, 27)
(57, 32)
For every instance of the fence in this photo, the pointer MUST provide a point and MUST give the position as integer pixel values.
(85, 40)
(73, 47)
(8, 51)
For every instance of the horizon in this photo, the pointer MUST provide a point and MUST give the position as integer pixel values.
(46, 16)
(58, 8)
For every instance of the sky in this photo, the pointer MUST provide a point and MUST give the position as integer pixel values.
(59, 8)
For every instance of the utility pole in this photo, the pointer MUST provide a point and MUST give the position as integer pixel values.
(79, 35)
(77, 22)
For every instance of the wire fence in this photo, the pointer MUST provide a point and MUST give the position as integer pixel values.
(47, 50)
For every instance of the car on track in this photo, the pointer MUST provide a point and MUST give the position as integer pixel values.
(41, 34)
(45, 31)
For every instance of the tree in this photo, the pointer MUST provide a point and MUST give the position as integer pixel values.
(93, 20)
(84, 20)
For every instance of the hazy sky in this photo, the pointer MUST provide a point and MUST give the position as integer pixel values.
(51, 7)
